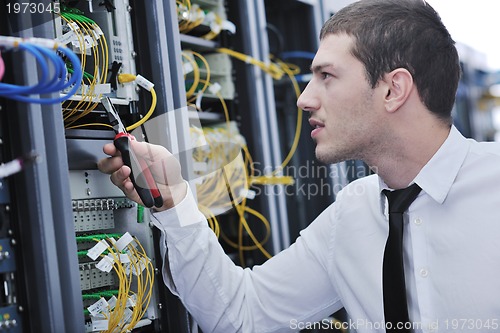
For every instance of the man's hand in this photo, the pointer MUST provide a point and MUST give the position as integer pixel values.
(164, 167)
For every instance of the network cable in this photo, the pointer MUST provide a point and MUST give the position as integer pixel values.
(16, 165)
(143, 83)
(85, 36)
(135, 273)
(44, 51)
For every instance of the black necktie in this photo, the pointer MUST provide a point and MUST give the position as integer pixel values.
(395, 305)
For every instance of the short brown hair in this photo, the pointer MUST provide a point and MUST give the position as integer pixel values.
(409, 34)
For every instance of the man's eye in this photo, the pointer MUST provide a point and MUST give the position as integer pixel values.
(325, 75)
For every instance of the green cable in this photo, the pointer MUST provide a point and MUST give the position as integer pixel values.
(83, 253)
(85, 74)
(92, 238)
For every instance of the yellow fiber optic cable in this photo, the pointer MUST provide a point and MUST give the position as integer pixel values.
(124, 78)
(89, 124)
(196, 74)
(271, 68)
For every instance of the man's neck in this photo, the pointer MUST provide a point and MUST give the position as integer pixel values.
(407, 154)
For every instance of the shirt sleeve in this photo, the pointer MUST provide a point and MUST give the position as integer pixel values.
(281, 295)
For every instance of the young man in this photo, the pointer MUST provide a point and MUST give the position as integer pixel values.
(383, 86)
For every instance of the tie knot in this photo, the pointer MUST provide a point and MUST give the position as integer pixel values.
(400, 200)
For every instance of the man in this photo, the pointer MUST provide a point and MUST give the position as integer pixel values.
(383, 86)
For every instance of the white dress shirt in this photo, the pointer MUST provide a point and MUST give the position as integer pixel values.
(451, 244)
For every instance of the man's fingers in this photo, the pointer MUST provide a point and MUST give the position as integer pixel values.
(121, 176)
(110, 164)
(110, 149)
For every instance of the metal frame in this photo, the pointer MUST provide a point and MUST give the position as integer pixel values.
(51, 279)
(264, 118)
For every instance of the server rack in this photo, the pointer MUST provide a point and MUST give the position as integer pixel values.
(48, 271)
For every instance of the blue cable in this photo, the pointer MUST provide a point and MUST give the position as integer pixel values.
(57, 83)
(48, 85)
(59, 74)
(13, 89)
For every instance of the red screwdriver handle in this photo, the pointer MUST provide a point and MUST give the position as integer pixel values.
(140, 174)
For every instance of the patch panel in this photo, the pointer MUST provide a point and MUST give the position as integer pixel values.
(92, 278)
(104, 35)
(97, 214)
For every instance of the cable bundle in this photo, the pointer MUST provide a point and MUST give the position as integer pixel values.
(135, 272)
(45, 51)
(192, 16)
(85, 36)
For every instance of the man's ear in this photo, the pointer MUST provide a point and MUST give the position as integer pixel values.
(399, 84)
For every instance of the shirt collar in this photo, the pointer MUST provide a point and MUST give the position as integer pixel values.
(438, 175)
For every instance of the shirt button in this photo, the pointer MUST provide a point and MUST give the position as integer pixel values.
(418, 221)
(424, 272)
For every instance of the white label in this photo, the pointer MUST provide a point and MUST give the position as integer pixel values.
(187, 68)
(67, 38)
(124, 258)
(74, 26)
(84, 89)
(98, 307)
(249, 194)
(214, 88)
(127, 314)
(229, 26)
(99, 324)
(144, 83)
(215, 27)
(88, 41)
(97, 249)
(104, 88)
(139, 266)
(132, 301)
(124, 240)
(98, 30)
(105, 264)
(95, 35)
(112, 302)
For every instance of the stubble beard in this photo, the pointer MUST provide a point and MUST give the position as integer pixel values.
(332, 155)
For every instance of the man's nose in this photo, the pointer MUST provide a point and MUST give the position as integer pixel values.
(307, 100)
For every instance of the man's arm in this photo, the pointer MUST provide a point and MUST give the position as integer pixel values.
(289, 289)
